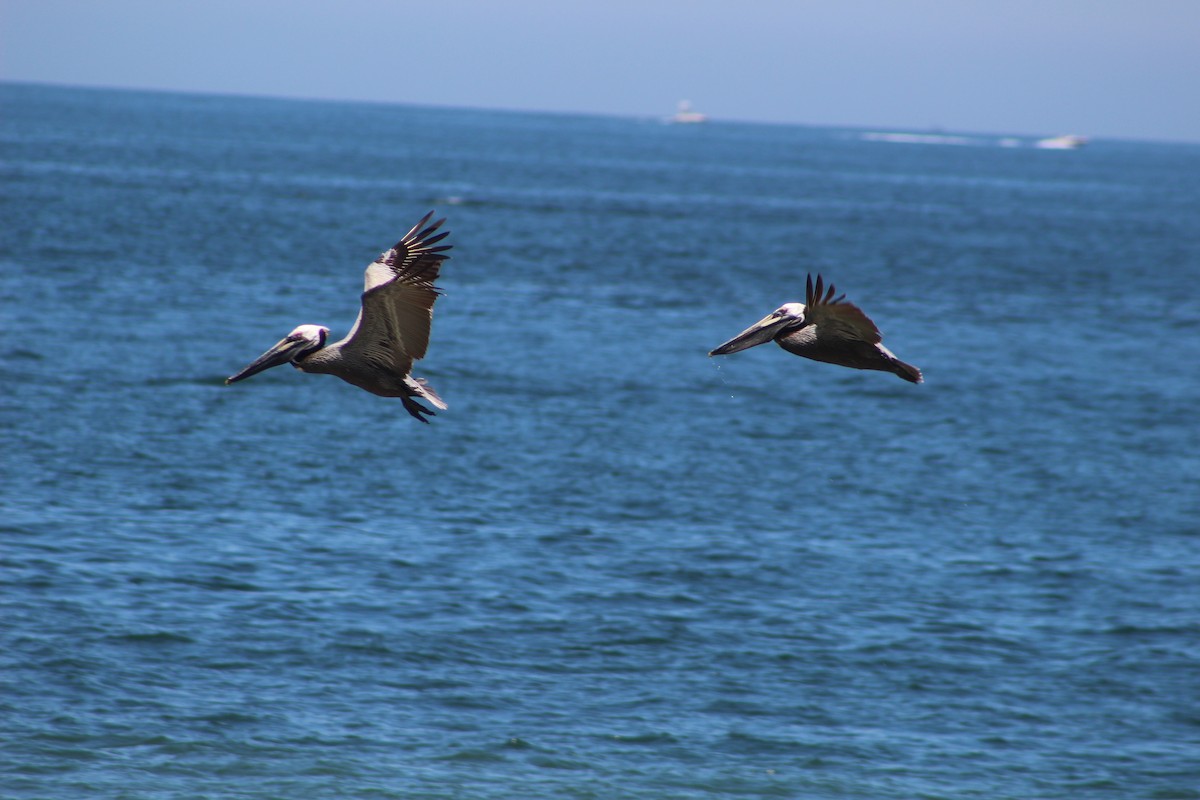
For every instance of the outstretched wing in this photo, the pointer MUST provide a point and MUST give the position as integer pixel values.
(834, 318)
(392, 329)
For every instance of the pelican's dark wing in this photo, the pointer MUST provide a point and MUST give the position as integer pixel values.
(836, 318)
(392, 329)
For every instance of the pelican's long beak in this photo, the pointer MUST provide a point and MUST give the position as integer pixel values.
(759, 333)
(283, 352)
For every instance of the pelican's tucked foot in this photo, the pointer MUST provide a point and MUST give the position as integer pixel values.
(419, 387)
(416, 409)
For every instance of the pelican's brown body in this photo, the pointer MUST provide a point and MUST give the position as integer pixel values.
(807, 342)
(330, 361)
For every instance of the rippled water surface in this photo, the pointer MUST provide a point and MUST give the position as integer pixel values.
(614, 567)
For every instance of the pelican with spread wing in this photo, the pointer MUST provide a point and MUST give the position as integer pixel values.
(391, 332)
(824, 328)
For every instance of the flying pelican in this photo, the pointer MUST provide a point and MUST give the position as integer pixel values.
(392, 329)
(823, 328)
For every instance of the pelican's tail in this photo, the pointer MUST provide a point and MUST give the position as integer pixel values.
(423, 390)
(907, 371)
(893, 364)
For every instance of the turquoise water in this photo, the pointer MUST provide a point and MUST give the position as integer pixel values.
(614, 567)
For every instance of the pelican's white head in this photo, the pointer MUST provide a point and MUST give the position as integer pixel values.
(312, 335)
(794, 312)
(294, 348)
(788, 316)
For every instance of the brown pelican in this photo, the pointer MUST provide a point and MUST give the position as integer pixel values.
(392, 329)
(823, 328)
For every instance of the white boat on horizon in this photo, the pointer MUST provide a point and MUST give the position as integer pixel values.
(902, 137)
(684, 115)
(1069, 141)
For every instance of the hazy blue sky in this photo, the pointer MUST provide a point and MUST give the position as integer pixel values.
(1128, 68)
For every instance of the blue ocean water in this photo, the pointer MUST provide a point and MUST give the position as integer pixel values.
(615, 567)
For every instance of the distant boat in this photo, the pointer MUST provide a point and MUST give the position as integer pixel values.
(915, 138)
(1068, 142)
(684, 115)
